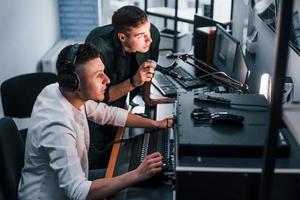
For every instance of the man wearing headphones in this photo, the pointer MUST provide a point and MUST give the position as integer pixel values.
(56, 163)
(129, 49)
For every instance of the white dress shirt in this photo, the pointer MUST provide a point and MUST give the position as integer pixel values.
(56, 155)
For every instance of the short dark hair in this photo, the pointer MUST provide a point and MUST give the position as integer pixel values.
(128, 17)
(85, 53)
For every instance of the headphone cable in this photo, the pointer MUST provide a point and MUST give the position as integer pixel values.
(121, 140)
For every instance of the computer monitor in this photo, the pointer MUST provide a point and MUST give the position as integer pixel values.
(240, 71)
(224, 51)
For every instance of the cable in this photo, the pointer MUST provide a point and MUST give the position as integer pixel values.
(169, 71)
(186, 56)
(118, 141)
(130, 138)
(232, 82)
(213, 73)
(203, 76)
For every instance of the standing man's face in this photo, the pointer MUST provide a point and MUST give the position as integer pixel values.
(93, 80)
(137, 39)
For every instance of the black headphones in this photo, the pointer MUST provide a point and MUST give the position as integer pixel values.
(68, 78)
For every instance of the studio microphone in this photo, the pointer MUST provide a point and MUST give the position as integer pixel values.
(169, 71)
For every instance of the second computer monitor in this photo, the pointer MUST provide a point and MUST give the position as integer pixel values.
(240, 71)
(224, 51)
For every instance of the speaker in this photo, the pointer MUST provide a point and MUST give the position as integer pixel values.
(68, 78)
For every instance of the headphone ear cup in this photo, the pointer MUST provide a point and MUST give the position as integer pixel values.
(68, 80)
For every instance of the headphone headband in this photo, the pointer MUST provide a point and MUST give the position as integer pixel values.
(72, 55)
(68, 78)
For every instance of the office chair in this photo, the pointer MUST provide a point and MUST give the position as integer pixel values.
(12, 158)
(19, 93)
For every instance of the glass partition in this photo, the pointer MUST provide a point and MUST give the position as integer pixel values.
(267, 10)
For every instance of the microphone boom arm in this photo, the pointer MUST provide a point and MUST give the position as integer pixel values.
(219, 76)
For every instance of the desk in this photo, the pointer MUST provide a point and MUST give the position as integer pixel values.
(209, 177)
(205, 170)
(213, 177)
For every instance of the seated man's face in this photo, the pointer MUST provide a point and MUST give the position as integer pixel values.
(138, 39)
(93, 80)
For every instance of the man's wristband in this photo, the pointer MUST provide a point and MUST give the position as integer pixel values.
(132, 82)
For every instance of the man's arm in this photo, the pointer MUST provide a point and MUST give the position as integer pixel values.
(104, 114)
(103, 188)
(143, 75)
(146, 93)
(138, 121)
(117, 91)
(59, 143)
(154, 53)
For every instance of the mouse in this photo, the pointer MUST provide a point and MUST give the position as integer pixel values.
(227, 118)
(201, 114)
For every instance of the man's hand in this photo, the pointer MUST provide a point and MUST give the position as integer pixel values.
(150, 166)
(144, 73)
(165, 123)
(162, 100)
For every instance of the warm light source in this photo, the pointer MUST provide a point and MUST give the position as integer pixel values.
(265, 86)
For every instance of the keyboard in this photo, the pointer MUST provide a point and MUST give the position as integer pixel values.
(149, 143)
(164, 85)
(190, 81)
(202, 90)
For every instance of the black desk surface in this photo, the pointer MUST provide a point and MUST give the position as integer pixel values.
(228, 138)
(197, 163)
(202, 163)
(204, 138)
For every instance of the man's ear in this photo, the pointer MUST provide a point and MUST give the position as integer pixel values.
(122, 37)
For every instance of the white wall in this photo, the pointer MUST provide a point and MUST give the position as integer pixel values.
(28, 29)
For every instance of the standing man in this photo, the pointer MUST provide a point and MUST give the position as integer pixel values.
(56, 164)
(129, 49)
